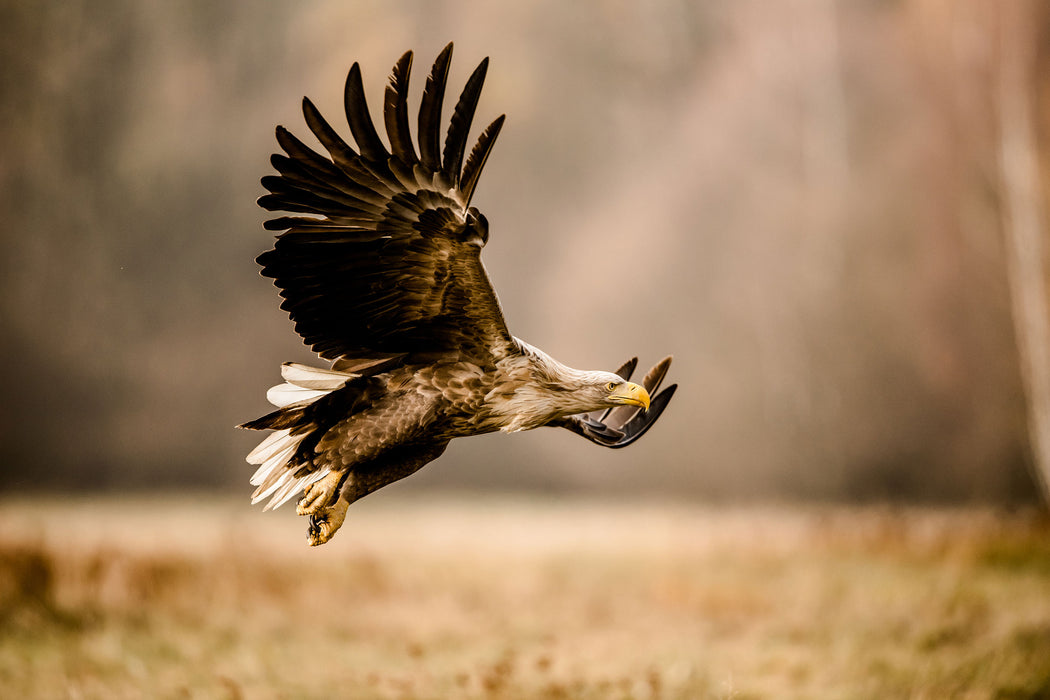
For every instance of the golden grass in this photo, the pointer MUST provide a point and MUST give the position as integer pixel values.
(481, 597)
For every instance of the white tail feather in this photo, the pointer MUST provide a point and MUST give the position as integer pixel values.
(303, 385)
(284, 395)
(268, 447)
(291, 486)
(277, 461)
(306, 377)
(261, 492)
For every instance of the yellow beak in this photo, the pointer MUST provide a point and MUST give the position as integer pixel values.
(630, 394)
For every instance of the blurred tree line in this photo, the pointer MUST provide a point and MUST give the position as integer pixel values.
(814, 190)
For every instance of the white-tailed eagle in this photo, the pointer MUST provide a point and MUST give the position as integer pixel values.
(380, 270)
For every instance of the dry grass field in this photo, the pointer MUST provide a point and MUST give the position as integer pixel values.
(478, 597)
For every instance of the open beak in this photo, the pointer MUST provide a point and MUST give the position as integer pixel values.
(630, 394)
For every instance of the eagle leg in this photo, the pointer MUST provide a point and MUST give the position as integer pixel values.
(325, 523)
(321, 494)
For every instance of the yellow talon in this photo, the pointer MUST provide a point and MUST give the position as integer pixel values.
(320, 494)
(324, 524)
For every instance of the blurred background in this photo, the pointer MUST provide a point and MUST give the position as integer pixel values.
(820, 192)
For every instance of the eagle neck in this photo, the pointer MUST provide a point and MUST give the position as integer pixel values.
(533, 390)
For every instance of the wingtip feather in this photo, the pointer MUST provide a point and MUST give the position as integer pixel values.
(395, 111)
(359, 118)
(429, 123)
(479, 155)
(459, 126)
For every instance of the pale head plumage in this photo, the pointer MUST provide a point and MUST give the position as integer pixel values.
(538, 389)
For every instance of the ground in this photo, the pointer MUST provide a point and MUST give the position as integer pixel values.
(514, 597)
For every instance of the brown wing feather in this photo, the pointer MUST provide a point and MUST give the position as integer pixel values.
(385, 260)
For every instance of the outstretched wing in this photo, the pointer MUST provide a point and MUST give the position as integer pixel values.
(384, 256)
(622, 425)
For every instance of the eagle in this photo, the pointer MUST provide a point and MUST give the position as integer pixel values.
(378, 261)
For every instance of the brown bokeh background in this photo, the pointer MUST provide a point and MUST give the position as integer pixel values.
(808, 196)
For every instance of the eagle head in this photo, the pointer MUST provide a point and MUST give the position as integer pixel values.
(582, 392)
(539, 389)
(608, 390)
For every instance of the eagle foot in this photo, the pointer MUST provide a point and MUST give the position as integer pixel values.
(321, 494)
(325, 523)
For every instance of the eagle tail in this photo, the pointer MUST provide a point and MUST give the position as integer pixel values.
(283, 467)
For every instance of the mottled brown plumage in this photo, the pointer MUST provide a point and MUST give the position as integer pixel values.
(380, 271)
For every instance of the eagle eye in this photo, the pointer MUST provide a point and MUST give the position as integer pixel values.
(610, 386)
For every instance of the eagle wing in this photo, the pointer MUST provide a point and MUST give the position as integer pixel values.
(622, 425)
(383, 257)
